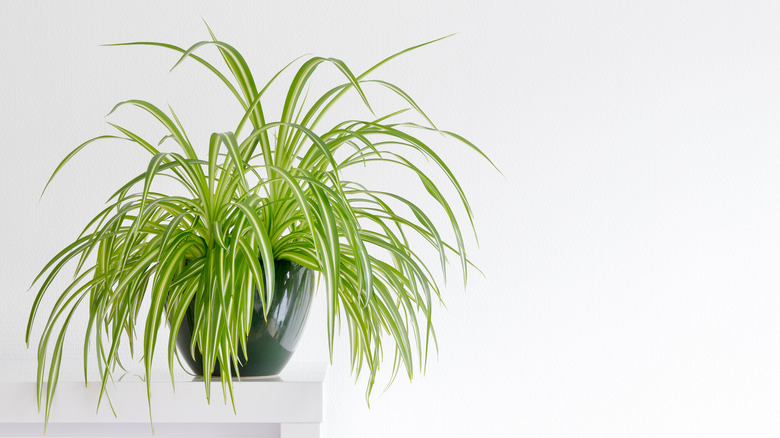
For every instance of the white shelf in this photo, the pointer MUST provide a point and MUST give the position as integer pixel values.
(287, 406)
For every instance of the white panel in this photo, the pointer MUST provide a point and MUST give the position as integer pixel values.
(300, 430)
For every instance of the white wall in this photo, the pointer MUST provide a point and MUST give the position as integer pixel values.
(631, 252)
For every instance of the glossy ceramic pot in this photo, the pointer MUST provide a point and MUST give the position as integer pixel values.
(270, 342)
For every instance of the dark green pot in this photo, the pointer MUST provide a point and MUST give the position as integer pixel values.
(271, 342)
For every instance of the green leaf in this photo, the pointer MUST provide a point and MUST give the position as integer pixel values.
(72, 154)
(162, 118)
(266, 253)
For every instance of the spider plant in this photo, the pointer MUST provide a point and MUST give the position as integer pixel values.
(269, 190)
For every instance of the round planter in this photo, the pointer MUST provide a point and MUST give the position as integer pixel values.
(270, 342)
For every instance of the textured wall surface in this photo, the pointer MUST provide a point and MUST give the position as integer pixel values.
(631, 253)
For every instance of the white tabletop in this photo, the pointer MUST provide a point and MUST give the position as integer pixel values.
(295, 397)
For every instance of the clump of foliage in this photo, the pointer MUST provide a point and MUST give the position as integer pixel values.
(269, 190)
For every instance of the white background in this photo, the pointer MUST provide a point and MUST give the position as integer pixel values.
(631, 252)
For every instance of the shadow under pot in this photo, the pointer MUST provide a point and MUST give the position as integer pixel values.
(270, 342)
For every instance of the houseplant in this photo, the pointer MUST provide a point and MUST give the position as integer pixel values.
(266, 194)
